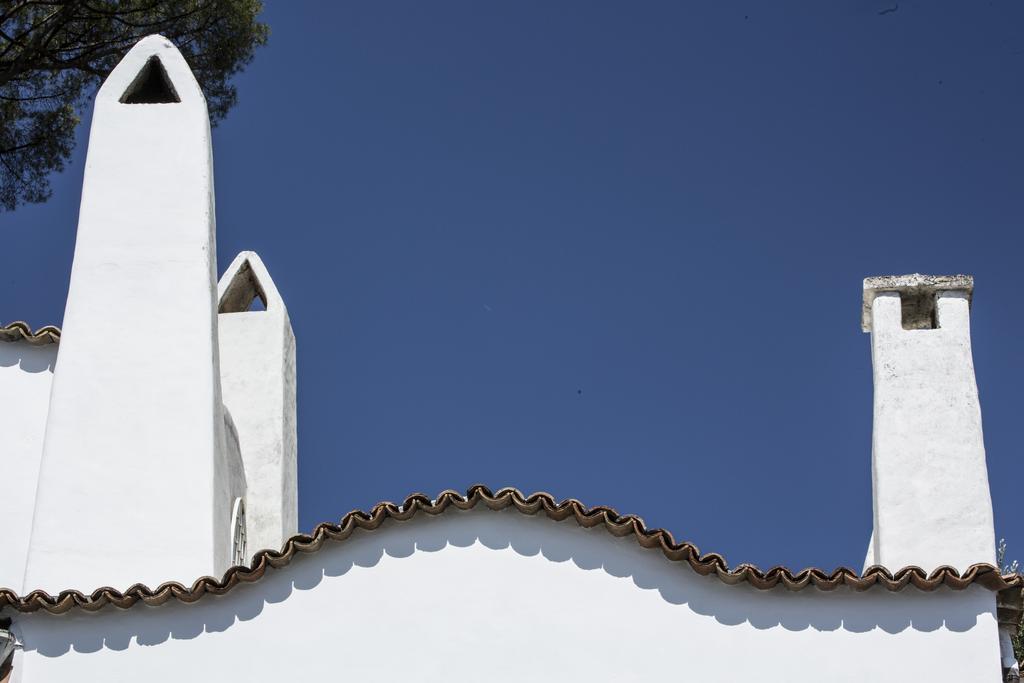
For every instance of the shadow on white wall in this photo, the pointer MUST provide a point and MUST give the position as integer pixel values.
(28, 358)
(588, 550)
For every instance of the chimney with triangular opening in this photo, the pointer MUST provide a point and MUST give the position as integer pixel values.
(257, 355)
(136, 482)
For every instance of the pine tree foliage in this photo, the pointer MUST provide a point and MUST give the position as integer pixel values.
(1007, 567)
(53, 56)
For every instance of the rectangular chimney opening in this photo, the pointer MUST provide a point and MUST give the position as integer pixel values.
(918, 310)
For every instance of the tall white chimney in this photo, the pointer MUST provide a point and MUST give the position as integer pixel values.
(135, 483)
(932, 504)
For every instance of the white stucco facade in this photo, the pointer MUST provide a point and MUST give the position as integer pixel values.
(26, 372)
(154, 440)
(506, 597)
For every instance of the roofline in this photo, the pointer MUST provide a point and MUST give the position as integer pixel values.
(21, 331)
(985, 575)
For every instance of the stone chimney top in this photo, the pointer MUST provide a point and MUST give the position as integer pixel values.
(917, 294)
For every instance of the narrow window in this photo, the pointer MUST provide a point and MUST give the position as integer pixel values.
(238, 556)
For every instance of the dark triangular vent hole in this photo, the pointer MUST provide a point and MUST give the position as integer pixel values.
(151, 86)
(244, 293)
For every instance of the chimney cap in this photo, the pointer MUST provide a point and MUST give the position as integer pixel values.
(914, 284)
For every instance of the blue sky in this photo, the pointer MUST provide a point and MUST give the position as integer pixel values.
(613, 250)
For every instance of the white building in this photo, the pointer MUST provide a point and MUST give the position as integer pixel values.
(150, 452)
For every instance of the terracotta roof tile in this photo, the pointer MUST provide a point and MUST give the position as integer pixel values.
(984, 575)
(18, 331)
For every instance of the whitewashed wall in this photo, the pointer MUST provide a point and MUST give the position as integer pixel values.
(26, 372)
(500, 596)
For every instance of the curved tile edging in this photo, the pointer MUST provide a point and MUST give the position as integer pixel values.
(19, 331)
(985, 575)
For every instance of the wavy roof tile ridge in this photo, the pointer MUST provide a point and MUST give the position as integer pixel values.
(985, 575)
(19, 330)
